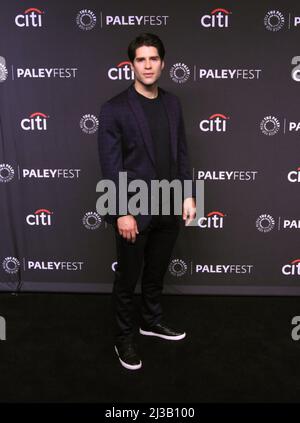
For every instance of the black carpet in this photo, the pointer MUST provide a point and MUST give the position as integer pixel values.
(59, 348)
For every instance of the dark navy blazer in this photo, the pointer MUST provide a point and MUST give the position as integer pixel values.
(125, 143)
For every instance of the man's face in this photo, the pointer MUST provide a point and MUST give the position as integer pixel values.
(147, 65)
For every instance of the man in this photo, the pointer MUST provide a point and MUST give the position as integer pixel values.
(142, 133)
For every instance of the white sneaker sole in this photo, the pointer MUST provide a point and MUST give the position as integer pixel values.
(126, 365)
(171, 338)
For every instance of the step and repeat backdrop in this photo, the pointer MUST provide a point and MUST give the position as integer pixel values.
(235, 67)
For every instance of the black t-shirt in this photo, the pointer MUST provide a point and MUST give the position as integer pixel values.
(159, 127)
(157, 117)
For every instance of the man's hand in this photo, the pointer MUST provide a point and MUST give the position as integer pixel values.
(127, 227)
(189, 210)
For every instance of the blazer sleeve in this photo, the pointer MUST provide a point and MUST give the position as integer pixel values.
(110, 148)
(184, 167)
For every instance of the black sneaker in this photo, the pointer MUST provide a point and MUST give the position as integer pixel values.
(163, 331)
(128, 356)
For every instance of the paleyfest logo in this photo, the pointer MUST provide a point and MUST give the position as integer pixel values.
(7, 173)
(86, 19)
(180, 73)
(265, 223)
(177, 267)
(136, 20)
(270, 125)
(11, 265)
(3, 69)
(274, 20)
(91, 220)
(89, 124)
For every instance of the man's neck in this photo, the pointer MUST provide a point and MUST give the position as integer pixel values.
(150, 91)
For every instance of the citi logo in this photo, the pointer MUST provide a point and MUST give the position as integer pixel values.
(292, 269)
(294, 175)
(218, 18)
(36, 121)
(41, 217)
(121, 72)
(31, 17)
(213, 220)
(215, 123)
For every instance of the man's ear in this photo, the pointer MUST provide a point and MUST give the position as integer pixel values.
(162, 64)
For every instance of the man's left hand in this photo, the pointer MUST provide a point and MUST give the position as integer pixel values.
(189, 210)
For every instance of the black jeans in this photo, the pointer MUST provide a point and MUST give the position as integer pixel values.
(153, 248)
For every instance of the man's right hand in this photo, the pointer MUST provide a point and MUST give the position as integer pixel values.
(127, 227)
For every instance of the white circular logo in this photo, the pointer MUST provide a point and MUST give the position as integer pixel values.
(180, 73)
(274, 20)
(177, 267)
(3, 72)
(6, 172)
(89, 124)
(11, 265)
(270, 125)
(265, 223)
(92, 220)
(86, 19)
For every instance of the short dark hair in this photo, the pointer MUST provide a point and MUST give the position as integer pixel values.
(146, 39)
